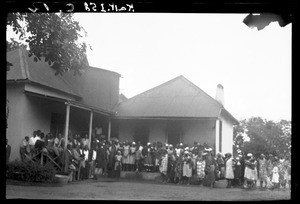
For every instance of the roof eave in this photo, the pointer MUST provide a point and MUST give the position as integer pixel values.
(163, 118)
(227, 114)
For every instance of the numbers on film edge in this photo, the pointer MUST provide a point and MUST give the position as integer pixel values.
(112, 7)
(42, 7)
(88, 6)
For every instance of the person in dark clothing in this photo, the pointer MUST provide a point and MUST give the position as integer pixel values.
(210, 165)
(111, 159)
(171, 168)
(242, 160)
(39, 146)
(148, 154)
(237, 172)
(101, 160)
(40, 143)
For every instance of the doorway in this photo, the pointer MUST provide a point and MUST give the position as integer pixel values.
(141, 134)
(174, 133)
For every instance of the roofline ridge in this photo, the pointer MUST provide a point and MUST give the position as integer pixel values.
(163, 84)
(199, 89)
(93, 67)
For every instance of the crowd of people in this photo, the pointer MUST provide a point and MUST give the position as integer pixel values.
(180, 164)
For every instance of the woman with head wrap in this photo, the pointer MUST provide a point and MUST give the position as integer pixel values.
(125, 158)
(178, 168)
(220, 165)
(163, 167)
(132, 151)
(249, 173)
(210, 165)
(187, 167)
(200, 167)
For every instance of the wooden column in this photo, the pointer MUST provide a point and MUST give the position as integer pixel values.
(67, 125)
(109, 129)
(90, 129)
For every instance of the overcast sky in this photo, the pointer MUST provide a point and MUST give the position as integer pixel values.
(148, 49)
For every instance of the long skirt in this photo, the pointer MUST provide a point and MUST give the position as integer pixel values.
(149, 160)
(200, 170)
(229, 174)
(255, 174)
(238, 172)
(187, 171)
(249, 174)
(117, 166)
(178, 170)
(210, 177)
(263, 176)
(131, 159)
(164, 166)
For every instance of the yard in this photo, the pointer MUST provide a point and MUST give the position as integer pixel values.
(112, 189)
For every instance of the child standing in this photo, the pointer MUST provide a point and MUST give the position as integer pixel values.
(163, 168)
(187, 167)
(275, 176)
(125, 158)
(138, 158)
(118, 163)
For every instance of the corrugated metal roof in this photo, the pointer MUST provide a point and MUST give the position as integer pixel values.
(176, 98)
(39, 72)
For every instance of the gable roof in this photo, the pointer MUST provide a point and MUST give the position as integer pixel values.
(40, 72)
(175, 98)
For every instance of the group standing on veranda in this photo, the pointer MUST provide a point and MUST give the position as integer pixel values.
(182, 164)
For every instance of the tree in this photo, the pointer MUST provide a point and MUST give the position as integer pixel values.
(54, 37)
(239, 135)
(265, 136)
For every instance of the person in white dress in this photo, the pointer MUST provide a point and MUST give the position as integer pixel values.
(248, 174)
(275, 176)
(187, 167)
(125, 158)
(229, 173)
(132, 151)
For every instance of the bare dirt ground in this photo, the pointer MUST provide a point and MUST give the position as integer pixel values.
(112, 189)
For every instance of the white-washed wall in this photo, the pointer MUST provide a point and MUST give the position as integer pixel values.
(193, 130)
(227, 135)
(15, 122)
(199, 131)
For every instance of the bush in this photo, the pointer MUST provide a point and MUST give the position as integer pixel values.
(30, 172)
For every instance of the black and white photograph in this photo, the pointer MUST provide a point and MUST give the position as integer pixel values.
(111, 101)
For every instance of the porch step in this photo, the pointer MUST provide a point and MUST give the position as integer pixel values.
(140, 175)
